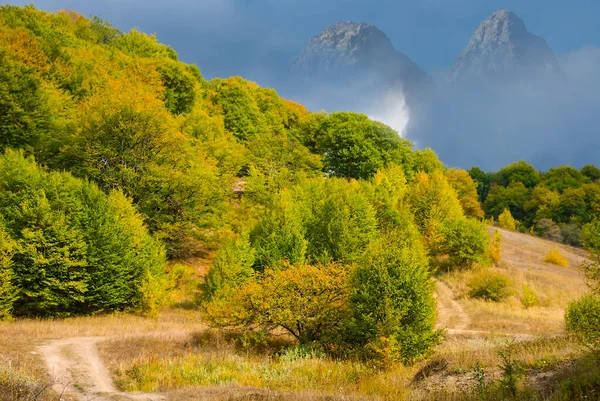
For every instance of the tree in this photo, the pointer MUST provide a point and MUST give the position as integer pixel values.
(427, 161)
(496, 247)
(392, 300)
(137, 43)
(339, 219)
(546, 228)
(310, 302)
(506, 220)
(513, 197)
(583, 316)
(180, 86)
(519, 172)
(8, 292)
(466, 189)
(483, 180)
(353, 146)
(583, 319)
(432, 201)
(24, 113)
(231, 268)
(127, 140)
(465, 241)
(561, 178)
(77, 250)
(280, 235)
(590, 171)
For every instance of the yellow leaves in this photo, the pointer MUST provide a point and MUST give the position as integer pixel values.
(23, 47)
(495, 247)
(556, 258)
(305, 300)
(506, 220)
(466, 190)
(433, 200)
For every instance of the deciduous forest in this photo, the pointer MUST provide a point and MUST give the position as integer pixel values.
(120, 164)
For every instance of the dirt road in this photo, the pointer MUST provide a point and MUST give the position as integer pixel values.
(79, 373)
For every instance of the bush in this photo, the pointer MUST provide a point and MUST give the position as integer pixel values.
(529, 298)
(489, 286)
(546, 228)
(308, 302)
(77, 251)
(506, 220)
(496, 247)
(465, 241)
(556, 258)
(583, 320)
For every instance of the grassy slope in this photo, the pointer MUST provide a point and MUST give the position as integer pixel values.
(522, 261)
(175, 354)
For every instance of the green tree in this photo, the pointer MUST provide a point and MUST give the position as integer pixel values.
(561, 178)
(339, 219)
(25, 117)
(180, 86)
(483, 180)
(519, 172)
(466, 189)
(392, 300)
(8, 292)
(77, 250)
(514, 197)
(465, 241)
(137, 43)
(280, 235)
(231, 268)
(432, 201)
(353, 146)
(583, 319)
(590, 171)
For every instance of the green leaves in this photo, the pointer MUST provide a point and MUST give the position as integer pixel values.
(354, 146)
(75, 249)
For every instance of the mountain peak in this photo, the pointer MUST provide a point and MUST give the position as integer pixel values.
(502, 47)
(343, 44)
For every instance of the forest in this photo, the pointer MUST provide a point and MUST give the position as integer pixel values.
(119, 161)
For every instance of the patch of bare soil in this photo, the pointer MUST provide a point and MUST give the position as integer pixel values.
(79, 373)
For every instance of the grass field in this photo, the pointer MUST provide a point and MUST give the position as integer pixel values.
(175, 357)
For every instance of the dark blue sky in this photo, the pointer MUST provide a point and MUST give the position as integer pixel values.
(253, 38)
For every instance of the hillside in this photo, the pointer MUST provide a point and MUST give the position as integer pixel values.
(167, 237)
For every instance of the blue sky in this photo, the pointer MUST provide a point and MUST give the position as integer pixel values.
(254, 37)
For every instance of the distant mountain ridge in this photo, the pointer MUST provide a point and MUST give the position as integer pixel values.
(502, 47)
(358, 55)
(347, 48)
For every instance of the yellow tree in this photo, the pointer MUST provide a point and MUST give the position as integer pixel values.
(433, 200)
(506, 220)
(466, 190)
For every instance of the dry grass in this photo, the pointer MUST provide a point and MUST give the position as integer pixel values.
(174, 353)
(200, 361)
(555, 287)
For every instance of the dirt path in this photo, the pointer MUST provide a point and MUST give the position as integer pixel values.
(79, 373)
(453, 318)
(451, 314)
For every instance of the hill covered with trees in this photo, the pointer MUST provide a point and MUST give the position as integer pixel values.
(118, 157)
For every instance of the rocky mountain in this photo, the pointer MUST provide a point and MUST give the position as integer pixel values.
(357, 58)
(502, 47)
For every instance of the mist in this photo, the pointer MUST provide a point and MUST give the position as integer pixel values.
(547, 122)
